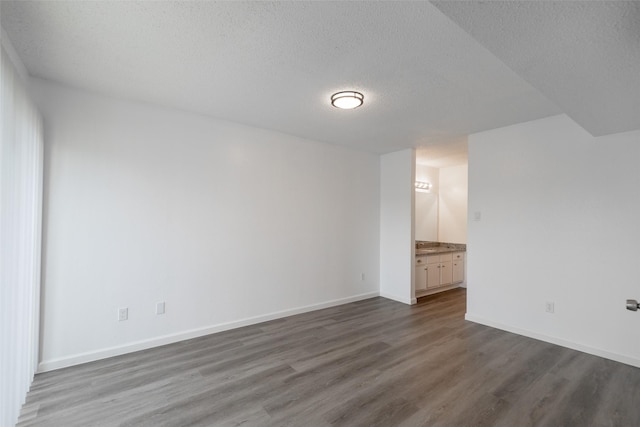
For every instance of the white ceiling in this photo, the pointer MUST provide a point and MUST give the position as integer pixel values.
(582, 55)
(427, 82)
(441, 155)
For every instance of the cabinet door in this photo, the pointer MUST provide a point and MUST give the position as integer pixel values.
(458, 271)
(446, 273)
(433, 275)
(421, 278)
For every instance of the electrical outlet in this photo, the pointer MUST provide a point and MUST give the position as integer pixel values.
(123, 314)
(549, 307)
(477, 216)
(160, 308)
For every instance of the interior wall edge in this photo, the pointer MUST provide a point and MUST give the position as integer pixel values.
(408, 301)
(77, 359)
(622, 358)
(13, 55)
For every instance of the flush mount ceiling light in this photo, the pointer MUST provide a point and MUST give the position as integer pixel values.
(347, 100)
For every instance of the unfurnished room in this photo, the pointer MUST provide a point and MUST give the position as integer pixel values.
(319, 213)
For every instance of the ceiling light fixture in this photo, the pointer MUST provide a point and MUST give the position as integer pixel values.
(420, 185)
(347, 100)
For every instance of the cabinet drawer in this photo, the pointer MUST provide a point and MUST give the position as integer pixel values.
(446, 257)
(421, 260)
(433, 259)
(458, 256)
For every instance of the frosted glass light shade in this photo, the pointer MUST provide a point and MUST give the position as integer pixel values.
(347, 100)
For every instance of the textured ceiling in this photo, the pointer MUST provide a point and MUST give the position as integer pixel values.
(453, 152)
(427, 82)
(582, 55)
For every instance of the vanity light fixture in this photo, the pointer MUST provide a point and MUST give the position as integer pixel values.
(347, 100)
(421, 185)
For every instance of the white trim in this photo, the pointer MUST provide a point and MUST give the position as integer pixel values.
(628, 360)
(408, 301)
(63, 362)
(439, 289)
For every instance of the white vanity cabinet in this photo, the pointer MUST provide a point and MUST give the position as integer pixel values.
(438, 270)
(458, 267)
(444, 264)
(421, 274)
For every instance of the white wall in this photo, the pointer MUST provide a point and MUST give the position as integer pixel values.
(428, 174)
(227, 224)
(559, 223)
(444, 220)
(397, 245)
(452, 204)
(426, 218)
(426, 204)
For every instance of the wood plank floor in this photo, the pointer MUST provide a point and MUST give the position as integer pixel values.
(370, 363)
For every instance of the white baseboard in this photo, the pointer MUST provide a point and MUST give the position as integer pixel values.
(433, 291)
(628, 360)
(63, 362)
(408, 301)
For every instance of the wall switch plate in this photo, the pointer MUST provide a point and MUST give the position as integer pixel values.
(123, 314)
(362, 276)
(549, 307)
(160, 308)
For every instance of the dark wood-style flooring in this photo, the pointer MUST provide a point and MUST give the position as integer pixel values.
(370, 363)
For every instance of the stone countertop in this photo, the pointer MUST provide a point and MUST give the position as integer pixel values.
(436, 248)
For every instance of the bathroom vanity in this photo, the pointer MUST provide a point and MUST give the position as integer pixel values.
(438, 267)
